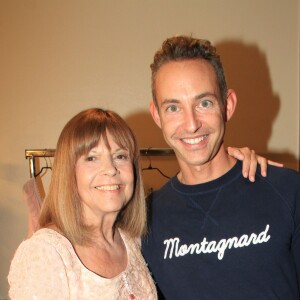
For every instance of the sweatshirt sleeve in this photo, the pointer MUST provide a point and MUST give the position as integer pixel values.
(37, 272)
(296, 236)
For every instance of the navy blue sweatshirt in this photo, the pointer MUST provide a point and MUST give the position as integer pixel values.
(228, 238)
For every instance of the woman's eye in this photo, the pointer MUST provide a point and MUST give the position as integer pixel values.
(90, 158)
(172, 108)
(122, 156)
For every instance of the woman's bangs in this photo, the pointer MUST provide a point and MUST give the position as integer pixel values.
(89, 137)
(123, 138)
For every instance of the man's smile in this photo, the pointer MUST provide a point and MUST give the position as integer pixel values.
(194, 140)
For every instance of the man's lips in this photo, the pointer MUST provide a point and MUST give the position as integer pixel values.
(193, 141)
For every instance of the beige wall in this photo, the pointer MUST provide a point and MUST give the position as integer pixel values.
(58, 57)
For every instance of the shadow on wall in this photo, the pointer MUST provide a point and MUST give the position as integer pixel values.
(147, 132)
(247, 73)
(150, 136)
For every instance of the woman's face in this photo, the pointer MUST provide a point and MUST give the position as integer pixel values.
(105, 180)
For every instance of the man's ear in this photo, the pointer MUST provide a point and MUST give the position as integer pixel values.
(154, 113)
(231, 103)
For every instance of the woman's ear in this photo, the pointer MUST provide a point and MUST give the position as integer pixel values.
(154, 113)
(231, 103)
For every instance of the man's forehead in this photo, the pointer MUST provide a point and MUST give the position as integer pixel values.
(185, 76)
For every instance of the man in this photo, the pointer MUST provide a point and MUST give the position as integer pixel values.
(212, 233)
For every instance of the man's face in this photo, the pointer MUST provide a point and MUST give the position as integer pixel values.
(189, 110)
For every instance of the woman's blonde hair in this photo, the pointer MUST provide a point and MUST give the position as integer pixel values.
(62, 206)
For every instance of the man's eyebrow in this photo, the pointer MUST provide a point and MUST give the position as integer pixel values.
(169, 101)
(197, 97)
(203, 95)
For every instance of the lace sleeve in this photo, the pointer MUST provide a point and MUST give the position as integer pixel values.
(37, 271)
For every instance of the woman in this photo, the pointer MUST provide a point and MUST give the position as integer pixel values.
(91, 220)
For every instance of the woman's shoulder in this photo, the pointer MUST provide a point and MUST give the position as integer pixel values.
(41, 257)
(48, 242)
(48, 236)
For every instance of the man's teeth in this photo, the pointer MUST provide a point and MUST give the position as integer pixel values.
(108, 187)
(195, 141)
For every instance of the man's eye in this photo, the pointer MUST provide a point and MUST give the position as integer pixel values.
(205, 103)
(172, 108)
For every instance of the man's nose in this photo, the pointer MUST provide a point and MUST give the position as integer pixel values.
(192, 121)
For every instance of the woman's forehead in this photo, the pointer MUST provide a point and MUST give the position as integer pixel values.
(110, 141)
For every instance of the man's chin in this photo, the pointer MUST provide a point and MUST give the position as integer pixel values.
(194, 161)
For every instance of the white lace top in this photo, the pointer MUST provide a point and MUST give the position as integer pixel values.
(47, 267)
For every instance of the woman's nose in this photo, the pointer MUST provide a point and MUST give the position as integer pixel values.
(109, 168)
